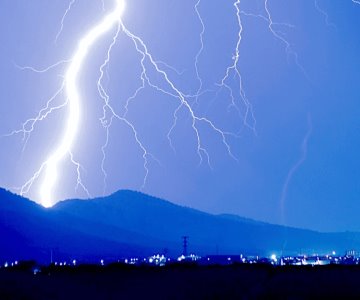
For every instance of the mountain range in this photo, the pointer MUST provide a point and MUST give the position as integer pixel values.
(129, 223)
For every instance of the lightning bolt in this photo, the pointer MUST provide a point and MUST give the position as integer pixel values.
(74, 103)
(50, 167)
(69, 90)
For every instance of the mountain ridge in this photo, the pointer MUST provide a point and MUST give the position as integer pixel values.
(129, 223)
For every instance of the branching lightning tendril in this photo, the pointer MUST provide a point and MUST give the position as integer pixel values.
(63, 19)
(325, 14)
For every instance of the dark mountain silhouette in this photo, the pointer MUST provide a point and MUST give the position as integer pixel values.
(130, 223)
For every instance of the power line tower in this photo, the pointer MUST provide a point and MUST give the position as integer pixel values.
(185, 245)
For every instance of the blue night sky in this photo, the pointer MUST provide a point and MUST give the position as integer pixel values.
(294, 138)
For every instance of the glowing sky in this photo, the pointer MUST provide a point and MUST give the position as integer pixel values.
(294, 161)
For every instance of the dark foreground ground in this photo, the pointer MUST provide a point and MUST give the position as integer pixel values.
(183, 282)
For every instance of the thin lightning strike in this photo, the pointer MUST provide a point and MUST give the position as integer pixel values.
(295, 167)
(234, 68)
(198, 54)
(107, 121)
(288, 48)
(29, 126)
(181, 97)
(180, 73)
(78, 181)
(61, 62)
(63, 19)
(265, 19)
(324, 13)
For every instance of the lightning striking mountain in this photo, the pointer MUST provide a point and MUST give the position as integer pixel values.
(49, 169)
(72, 101)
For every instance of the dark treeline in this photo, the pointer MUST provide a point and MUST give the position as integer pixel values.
(120, 281)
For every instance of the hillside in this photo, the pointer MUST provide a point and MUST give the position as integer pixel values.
(131, 223)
